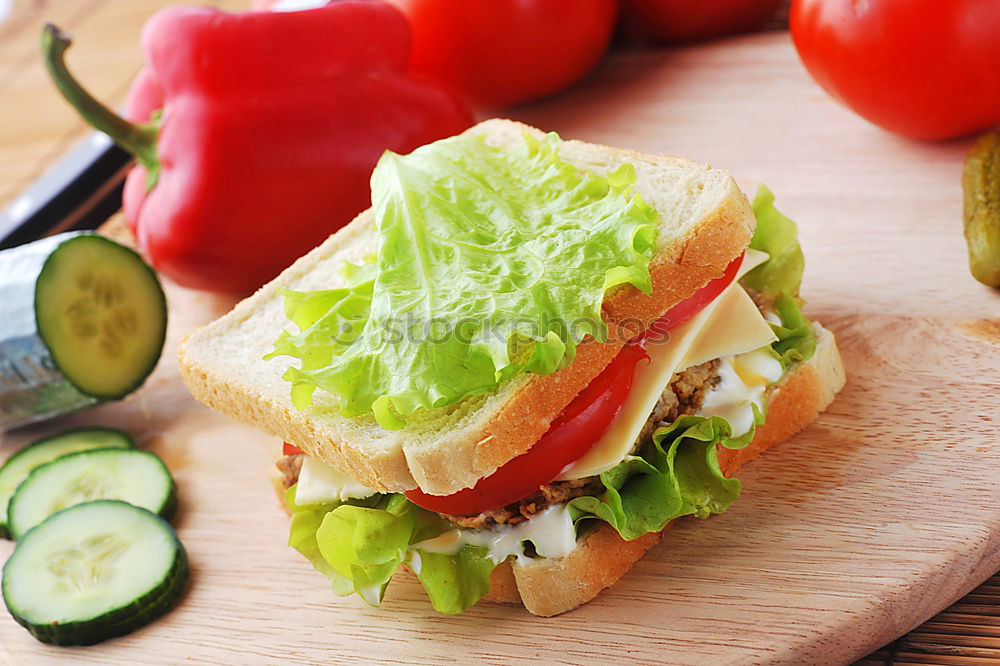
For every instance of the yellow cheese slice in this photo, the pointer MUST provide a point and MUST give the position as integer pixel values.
(731, 324)
(734, 327)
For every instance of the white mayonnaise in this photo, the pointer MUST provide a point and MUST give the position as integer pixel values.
(551, 531)
(744, 379)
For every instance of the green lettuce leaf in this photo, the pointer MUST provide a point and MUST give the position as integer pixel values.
(306, 520)
(677, 474)
(360, 544)
(454, 583)
(489, 262)
(367, 544)
(796, 337)
(778, 279)
(778, 236)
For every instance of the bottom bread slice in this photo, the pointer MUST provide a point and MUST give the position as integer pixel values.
(550, 586)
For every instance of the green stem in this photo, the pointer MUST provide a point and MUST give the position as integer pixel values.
(139, 140)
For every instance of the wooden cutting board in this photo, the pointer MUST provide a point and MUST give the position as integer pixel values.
(882, 513)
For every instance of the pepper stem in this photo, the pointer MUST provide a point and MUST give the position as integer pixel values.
(137, 139)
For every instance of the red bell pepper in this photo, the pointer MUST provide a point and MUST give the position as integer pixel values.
(268, 129)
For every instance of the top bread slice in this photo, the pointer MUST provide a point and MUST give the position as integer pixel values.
(705, 222)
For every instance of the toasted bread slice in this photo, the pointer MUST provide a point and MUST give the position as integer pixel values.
(705, 222)
(552, 586)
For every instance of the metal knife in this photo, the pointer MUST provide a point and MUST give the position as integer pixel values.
(80, 191)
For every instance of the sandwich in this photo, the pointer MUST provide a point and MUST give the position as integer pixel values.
(520, 366)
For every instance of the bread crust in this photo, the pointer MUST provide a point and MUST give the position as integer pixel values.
(521, 412)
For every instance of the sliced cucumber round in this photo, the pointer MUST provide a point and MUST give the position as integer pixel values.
(102, 314)
(94, 571)
(137, 477)
(84, 321)
(19, 466)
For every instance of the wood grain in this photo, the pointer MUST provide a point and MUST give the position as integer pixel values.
(868, 523)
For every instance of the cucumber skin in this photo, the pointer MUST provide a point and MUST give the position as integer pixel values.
(120, 621)
(166, 512)
(84, 633)
(4, 531)
(31, 386)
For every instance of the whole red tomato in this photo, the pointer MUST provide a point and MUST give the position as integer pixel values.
(692, 20)
(500, 52)
(927, 69)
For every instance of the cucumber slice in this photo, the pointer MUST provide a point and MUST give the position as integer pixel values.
(94, 571)
(19, 466)
(137, 477)
(102, 314)
(85, 320)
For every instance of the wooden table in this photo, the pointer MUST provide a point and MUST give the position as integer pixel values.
(880, 219)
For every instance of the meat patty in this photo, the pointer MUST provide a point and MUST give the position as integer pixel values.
(684, 395)
(555, 493)
(290, 468)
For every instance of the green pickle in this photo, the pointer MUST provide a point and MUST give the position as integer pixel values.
(981, 210)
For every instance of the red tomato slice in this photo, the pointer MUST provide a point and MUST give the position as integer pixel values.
(291, 450)
(578, 427)
(691, 305)
(571, 435)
